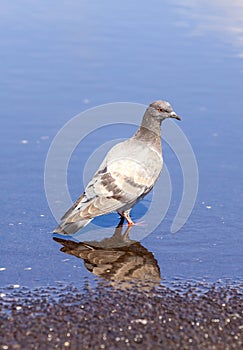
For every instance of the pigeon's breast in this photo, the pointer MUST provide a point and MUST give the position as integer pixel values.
(135, 160)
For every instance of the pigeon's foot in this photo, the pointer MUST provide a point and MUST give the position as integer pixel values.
(126, 215)
(131, 223)
(141, 223)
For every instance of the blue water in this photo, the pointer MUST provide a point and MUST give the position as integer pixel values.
(58, 59)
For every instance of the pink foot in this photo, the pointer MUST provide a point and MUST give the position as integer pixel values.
(139, 223)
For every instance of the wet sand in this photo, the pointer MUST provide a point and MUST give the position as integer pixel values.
(103, 317)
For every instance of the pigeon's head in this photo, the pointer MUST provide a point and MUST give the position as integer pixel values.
(161, 110)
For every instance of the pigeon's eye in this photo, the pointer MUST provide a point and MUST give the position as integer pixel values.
(160, 109)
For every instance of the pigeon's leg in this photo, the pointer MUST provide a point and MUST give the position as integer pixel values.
(121, 222)
(126, 215)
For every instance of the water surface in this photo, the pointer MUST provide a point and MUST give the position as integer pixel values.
(59, 58)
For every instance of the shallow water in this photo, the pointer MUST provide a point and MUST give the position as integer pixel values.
(59, 59)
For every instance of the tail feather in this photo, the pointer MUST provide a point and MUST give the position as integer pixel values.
(70, 228)
(73, 208)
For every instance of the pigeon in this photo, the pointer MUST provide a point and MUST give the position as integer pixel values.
(127, 174)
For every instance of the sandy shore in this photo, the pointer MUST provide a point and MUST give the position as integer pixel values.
(195, 317)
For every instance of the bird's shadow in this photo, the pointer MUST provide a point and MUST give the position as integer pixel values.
(117, 259)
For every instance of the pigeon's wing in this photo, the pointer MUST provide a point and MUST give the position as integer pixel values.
(119, 183)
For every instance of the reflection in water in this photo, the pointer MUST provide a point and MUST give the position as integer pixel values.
(118, 259)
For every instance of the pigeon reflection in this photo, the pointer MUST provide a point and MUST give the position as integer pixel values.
(118, 259)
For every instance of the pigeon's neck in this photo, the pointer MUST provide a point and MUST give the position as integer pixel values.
(151, 124)
(150, 132)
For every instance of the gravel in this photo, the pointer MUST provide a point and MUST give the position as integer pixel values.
(191, 316)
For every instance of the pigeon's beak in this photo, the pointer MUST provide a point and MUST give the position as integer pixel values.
(174, 115)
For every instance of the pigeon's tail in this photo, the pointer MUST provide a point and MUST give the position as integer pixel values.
(68, 228)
